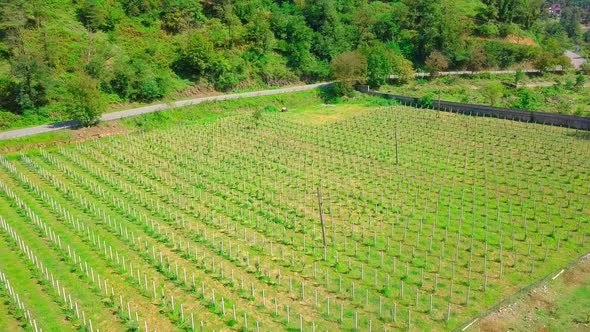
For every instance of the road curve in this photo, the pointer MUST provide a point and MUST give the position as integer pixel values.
(154, 108)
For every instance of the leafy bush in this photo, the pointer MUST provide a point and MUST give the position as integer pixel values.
(136, 80)
(488, 29)
(527, 100)
(277, 73)
(271, 109)
(503, 54)
(194, 57)
(436, 62)
(152, 88)
(180, 15)
(7, 119)
(350, 67)
(84, 103)
(493, 91)
(332, 94)
(223, 74)
(427, 101)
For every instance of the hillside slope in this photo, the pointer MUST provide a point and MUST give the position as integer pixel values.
(144, 50)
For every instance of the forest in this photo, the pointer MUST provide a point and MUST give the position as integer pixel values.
(73, 58)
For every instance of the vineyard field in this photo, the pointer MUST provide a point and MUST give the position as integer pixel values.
(342, 218)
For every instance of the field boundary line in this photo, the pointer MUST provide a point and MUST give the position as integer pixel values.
(512, 298)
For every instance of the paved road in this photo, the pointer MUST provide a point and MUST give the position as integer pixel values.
(468, 72)
(153, 108)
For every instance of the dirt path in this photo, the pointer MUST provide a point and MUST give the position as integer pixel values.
(153, 108)
(562, 304)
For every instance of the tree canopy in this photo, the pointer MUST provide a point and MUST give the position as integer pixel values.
(141, 50)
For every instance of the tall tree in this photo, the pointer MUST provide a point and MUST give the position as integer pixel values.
(427, 19)
(180, 15)
(91, 15)
(570, 21)
(363, 19)
(84, 102)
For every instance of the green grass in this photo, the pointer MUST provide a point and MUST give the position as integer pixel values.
(233, 202)
(43, 309)
(211, 111)
(571, 310)
(554, 305)
(199, 114)
(7, 321)
(35, 141)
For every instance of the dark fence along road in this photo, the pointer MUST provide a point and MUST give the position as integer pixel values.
(554, 119)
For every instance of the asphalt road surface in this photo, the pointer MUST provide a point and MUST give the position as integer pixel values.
(152, 108)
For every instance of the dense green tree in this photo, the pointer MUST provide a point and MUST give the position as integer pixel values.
(331, 37)
(91, 15)
(31, 78)
(570, 21)
(258, 33)
(295, 39)
(383, 62)
(350, 66)
(454, 31)
(84, 102)
(523, 12)
(348, 69)
(426, 18)
(504, 54)
(549, 60)
(195, 56)
(145, 49)
(389, 24)
(181, 15)
(363, 20)
(228, 15)
(528, 11)
(139, 7)
(501, 10)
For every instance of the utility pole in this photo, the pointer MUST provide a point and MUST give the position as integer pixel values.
(322, 221)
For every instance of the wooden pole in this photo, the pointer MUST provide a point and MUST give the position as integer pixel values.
(322, 221)
(396, 145)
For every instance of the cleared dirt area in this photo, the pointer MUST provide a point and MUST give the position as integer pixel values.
(562, 304)
(104, 129)
(520, 40)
